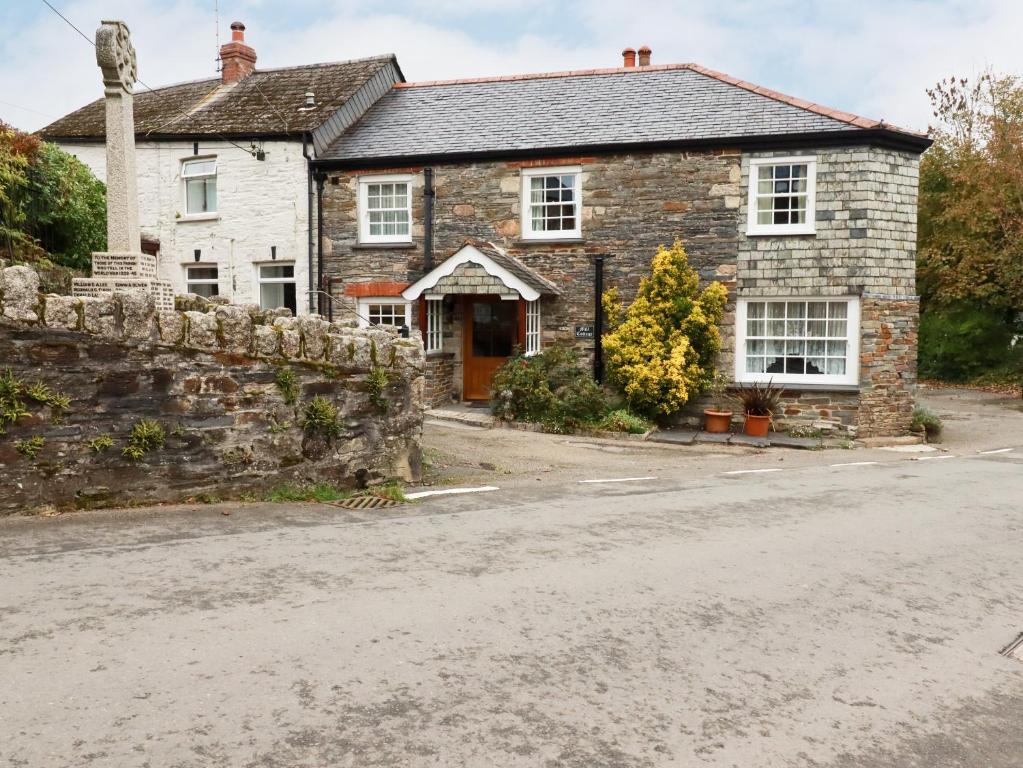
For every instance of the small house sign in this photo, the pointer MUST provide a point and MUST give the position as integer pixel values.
(584, 331)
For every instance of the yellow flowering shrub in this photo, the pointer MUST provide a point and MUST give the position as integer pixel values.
(661, 349)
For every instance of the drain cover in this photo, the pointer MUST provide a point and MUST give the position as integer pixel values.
(1014, 650)
(365, 501)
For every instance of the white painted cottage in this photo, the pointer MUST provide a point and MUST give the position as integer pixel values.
(227, 197)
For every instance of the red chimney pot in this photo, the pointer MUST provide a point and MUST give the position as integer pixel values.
(629, 57)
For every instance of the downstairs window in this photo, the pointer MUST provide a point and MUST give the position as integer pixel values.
(798, 341)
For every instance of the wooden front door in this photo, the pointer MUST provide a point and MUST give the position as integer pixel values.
(491, 333)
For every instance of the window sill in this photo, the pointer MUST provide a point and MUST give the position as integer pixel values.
(388, 246)
(549, 240)
(781, 233)
(197, 217)
(807, 387)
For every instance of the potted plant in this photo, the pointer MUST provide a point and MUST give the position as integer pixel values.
(718, 417)
(760, 403)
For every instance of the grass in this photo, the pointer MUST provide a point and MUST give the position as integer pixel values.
(324, 492)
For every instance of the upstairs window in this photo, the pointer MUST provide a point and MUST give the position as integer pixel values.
(385, 209)
(202, 281)
(200, 177)
(550, 203)
(781, 196)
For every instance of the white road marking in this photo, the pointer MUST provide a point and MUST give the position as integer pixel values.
(933, 458)
(856, 464)
(996, 450)
(449, 491)
(749, 471)
(618, 480)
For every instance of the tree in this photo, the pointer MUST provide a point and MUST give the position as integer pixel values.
(48, 199)
(970, 250)
(661, 354)
(971, 196)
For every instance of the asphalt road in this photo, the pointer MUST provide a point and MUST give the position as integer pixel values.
(815, 616)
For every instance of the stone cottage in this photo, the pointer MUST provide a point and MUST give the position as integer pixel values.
(225, 183)
(474, 210)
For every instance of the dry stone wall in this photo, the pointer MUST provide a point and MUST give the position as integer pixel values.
(214, 377)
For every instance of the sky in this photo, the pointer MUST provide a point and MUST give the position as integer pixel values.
(875, 58)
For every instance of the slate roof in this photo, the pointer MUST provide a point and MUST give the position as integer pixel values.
(590, 108)
(530, 277)
(266, 103)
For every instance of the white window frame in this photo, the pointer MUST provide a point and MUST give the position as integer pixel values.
(852, 349)
(189, 282)
(363, 207)
(186, 177)
(365, 301)
(808, 227)
(533, 327)
(261, 281)
(528, 233)
(434, 332)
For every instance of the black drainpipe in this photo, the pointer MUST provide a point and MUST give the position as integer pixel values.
(309, 186)
(428, 195)
(320, 178)
(598, 319)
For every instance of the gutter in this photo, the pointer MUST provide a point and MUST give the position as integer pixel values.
(320, 179)
(879, 137)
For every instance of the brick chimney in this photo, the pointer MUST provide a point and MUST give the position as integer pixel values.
(644, 56)
(629, 57)
(237, 60)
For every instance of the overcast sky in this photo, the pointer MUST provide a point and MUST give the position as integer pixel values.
(871, 57)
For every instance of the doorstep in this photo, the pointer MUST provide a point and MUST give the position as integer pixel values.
(465, 414)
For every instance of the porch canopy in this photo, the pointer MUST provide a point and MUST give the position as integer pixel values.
(480, 267)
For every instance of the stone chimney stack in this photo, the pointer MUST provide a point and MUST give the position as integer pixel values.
(629, 57)
(644, 56)
(237, 60)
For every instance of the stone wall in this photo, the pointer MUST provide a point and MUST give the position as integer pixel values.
(888, 359)
(440, 373)
(208, 374)
(631, 204)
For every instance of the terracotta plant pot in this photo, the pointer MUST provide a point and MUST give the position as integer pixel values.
(757, 426)
(717, 421)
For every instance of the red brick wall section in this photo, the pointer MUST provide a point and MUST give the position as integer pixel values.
(887, 365)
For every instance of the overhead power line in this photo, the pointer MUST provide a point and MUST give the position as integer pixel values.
(143, 83)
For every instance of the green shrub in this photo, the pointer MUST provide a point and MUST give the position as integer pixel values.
(961, 343)
(321, 416)
(287, 384)
(30, 448)
(377, 382)
(927, 421)
(14, 394)
(623, 421)
(146, 435)
(662, 353)
(101, 443)
(549, 388)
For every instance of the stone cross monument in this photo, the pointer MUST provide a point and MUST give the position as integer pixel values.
(122, 266)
